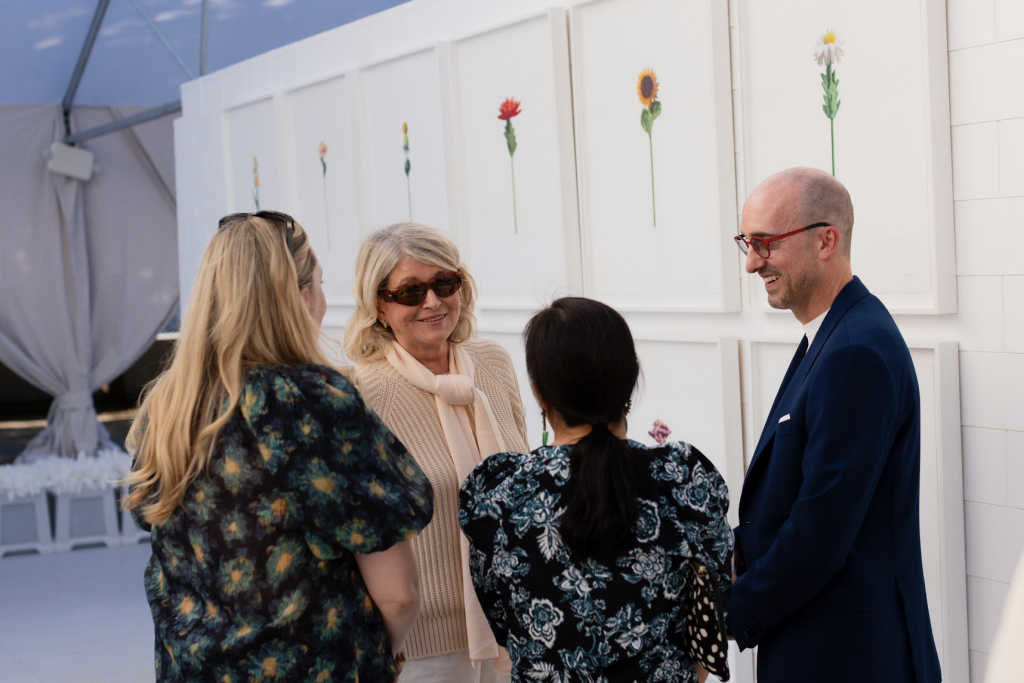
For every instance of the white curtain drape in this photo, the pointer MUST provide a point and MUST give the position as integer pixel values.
(88, 270)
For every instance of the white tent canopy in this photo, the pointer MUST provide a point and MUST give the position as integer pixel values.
(89, 268)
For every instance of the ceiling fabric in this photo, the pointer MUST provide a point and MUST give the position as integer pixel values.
(88, 269)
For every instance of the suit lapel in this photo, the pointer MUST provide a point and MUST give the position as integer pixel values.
(801, 351)
(853, 292)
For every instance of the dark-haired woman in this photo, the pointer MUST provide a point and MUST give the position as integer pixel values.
(579, 550)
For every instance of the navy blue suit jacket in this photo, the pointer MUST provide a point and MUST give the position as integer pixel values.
(831, 586)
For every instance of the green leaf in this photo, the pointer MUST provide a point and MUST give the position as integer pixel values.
(510, 137)
(408, 166)
(646, 120)
(655, 109)
(324, 164)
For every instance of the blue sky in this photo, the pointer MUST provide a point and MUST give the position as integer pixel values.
(40, 41)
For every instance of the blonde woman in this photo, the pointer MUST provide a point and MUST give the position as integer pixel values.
(452, 400)
(281, 508)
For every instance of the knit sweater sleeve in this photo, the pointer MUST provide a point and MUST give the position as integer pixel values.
(495, 359)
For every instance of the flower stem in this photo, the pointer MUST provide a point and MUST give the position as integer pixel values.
(654, 214)
(327, 219)
(515, 214)
(832, 129)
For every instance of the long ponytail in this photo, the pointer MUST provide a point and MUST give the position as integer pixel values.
(581, 360)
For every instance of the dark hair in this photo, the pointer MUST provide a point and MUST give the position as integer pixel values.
(582, 362)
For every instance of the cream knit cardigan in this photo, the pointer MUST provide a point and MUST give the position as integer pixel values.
(411, 413)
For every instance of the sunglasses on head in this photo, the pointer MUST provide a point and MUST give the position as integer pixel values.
(761, 245)
(444, 285)
(276, 216)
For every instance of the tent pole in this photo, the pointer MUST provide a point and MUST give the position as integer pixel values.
(202, 38)
(83, 59)
(127, 122)
(163, 39)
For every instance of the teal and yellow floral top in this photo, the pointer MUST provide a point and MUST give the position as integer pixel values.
(253, 578)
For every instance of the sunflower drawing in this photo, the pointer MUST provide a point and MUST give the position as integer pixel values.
(322, 151)
(408, 166)
(828, 51)
(506, 111)
(647, 91)
(256, 182)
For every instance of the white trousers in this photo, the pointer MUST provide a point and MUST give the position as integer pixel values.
(454, 668)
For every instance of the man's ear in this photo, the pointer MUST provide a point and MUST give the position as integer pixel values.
(829, 238)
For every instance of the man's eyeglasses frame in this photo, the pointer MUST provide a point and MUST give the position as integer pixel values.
(759, 244)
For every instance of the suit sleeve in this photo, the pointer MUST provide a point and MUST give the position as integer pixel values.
(852, 420)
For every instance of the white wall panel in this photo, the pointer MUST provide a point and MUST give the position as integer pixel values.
(407, 90)
(517, 208)
(250, 158)
(892, 143)
(666, 201)
(326, 199)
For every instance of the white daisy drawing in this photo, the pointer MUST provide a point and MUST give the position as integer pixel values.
(829, 49)
(828, 52)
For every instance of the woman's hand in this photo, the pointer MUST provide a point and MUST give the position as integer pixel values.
(399, 662)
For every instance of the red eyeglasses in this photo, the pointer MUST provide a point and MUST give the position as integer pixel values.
(760, 244)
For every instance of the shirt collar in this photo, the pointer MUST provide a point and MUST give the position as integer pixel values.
(811, 328)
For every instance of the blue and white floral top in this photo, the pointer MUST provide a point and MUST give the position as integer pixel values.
(567, 621)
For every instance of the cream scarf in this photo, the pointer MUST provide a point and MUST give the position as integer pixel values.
(452, 392)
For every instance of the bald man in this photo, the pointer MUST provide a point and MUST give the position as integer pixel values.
(829, 582)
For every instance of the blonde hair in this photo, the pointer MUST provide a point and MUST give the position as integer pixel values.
(365, 337)
(245, 311)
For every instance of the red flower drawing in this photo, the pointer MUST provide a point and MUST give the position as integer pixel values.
(509, 108)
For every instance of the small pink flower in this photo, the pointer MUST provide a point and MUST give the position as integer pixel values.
(660, 431)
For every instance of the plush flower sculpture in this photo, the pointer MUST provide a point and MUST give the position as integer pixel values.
(660, 431)
(508, 109)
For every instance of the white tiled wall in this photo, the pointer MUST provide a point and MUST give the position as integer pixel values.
(986, 64)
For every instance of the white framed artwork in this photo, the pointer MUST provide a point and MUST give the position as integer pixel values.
(407, 139)
(250, 158)
(941, 507)
(323, 177)
(517, 173)
(888, 138)
(942, 503)
(654, 142)
(693, 386)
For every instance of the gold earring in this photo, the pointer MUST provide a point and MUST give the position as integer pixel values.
(384, 323)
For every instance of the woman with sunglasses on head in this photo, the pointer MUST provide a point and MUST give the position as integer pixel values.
(280, 507)
(453, 400)
(583, 550)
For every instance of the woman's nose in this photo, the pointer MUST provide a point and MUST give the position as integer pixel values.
(432, 299)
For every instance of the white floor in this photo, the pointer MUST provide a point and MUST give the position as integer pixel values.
(76, 617)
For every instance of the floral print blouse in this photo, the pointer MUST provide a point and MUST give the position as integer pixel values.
(563, 620)
(253, 578)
